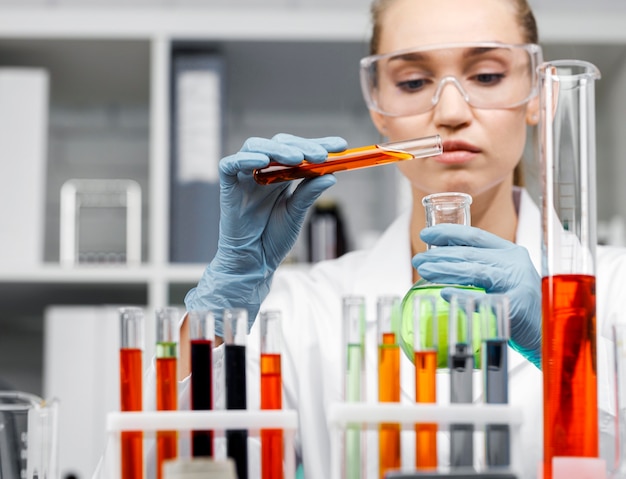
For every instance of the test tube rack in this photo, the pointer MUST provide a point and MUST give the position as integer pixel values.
(183, 421)
(371, 415)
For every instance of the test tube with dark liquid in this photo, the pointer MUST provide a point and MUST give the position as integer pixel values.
(352, 159)
(494, 318)
(388, 312)
(202, 337)
(235, 332)
(354, 383)
(271, 393)
(166, 380)
(461, 364)
(131, 389)
(425, 359)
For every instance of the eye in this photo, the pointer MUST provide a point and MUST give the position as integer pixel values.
(413, 85)
(488, 79)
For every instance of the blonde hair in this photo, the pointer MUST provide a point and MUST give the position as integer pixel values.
(525, 18)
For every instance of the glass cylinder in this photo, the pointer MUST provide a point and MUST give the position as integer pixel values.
(454, 208)
(567, 152)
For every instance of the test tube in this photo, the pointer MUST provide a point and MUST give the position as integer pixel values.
(131, 388)
(568, 342)
(425, 360)
(166, 380)
(235, 333)
(388, 312)
(494, 318)
(352, 159)
(354, 383)
(461, 364)
(202, 337)
(271, 393)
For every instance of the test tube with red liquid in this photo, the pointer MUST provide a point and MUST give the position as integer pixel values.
(131, 388)
(425, 340)
(351, 159)
(202, 337)
(235, 334)
(271, 393)
(388, 320)
(567, 135)
(166, 380)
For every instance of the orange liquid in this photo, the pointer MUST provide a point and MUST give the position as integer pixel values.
(271, 398)
(351, 159)
(569, 368)
(167, 400)
(426, 392)
(130, 400)
(388, 391)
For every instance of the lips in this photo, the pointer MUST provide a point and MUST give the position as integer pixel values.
(457, 151)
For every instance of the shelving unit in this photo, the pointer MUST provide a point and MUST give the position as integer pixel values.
(292, 69)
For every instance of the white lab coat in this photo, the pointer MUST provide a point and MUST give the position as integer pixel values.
(310, 302)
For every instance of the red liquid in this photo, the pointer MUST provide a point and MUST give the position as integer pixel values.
(362, 157)
(271, 398)
(130, 400)
(167, 400)
(388, 391)
(569, 368)
(426, 392)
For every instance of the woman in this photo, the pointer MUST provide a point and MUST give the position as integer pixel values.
(448, 78)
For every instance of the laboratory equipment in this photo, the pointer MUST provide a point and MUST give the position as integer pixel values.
(449, 207)
(202, 337)
(166, 380)
(461, 365)
(354, 381)
(567, 153)
(388, 312)
(618, 329)
(28, 436)
(425, 360)
(326, 233)
(271, 393)
(199, 468)
(494, 316)
(235, 332)
(352, 159)
(131, 387)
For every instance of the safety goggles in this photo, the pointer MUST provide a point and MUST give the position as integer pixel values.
(488, 75)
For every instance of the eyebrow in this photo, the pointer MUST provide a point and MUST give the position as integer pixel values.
(467, 53)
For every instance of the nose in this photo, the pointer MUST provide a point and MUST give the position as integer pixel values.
(452, 107)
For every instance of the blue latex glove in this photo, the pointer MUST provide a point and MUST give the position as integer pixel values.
(259, 224)
(471, 256)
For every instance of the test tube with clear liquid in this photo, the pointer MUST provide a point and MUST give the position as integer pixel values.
(271, 393)
(425, 358)
(388, 311)
(131, 387)
(494, 322)
(449, 207)
(202, 340)
(354, 382)
(567, 153)
(353, 158)
(166, 381)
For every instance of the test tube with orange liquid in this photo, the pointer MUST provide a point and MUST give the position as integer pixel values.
(425, 359)
(166, 381)
(131, 388)
(388, 319)
(271, 393)
(352, 159)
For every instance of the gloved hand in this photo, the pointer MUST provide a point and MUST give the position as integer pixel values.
(471, 256)
(259, 224)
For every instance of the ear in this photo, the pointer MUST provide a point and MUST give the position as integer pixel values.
(380, 122)
(532, 111)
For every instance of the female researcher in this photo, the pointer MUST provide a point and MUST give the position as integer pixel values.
(447, 78)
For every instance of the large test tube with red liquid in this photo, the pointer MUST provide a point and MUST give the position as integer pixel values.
(131, 388)
(202, 337)
(271, 393)
(567, 151)
(166, 380)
